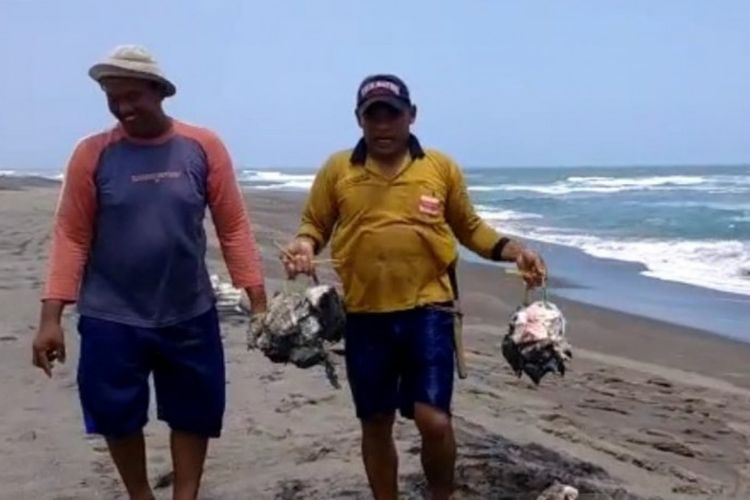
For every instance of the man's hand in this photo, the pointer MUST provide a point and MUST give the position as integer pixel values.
(48, 346)
(532, 268)
(298, 257)
(529, 263)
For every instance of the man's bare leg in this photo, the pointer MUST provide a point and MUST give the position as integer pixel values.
(129, 455)
(380, 457)
(188, 457)
(438, 450)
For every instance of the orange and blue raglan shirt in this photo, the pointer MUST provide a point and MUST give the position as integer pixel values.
(129, 243)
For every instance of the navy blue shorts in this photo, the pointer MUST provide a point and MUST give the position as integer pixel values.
(394, 360)
(187, 363)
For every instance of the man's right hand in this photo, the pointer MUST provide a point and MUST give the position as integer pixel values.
(48, 346)
(298, 257)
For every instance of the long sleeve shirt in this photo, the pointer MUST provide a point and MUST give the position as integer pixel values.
(128, 242)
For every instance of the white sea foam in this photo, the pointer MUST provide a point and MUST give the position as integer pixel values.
(493, 215)
(719, 184)
(603, 185)
(285, 186)
(722, 265)
(273, 176)
(716, 264)
(24, 173)
(636, 182)
(275, 180)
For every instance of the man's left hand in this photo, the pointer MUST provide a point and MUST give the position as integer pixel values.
(532, 268)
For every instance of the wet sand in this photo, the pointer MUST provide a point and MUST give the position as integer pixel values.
(647, 410)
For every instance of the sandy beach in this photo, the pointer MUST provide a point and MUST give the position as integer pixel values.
(647, 410)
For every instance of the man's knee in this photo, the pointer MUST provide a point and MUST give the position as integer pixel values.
(433, 424)
(378, 426)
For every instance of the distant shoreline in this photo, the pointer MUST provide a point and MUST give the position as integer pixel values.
(21, 182)
(570, 287)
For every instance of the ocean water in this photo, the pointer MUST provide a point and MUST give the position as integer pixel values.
(689, 225)
(46, 174)
(683, 224)
(671, 243)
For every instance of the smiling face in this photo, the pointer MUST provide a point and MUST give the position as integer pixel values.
(136, 104)
(386, 129)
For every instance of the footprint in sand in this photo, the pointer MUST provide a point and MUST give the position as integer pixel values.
(273, 376)
(100, 448)
(702, 434)
(314, 452)
(25, 437)
(557, 419)
(103, 466)
(253, 428)
(296, 400)
(606, 392)
(164, 480)
(666, 446)
(292, 489)
(595, 404)
(665, 386)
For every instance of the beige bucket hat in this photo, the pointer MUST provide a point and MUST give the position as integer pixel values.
(132, 61)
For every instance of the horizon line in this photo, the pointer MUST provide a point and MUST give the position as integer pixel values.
(466, 167)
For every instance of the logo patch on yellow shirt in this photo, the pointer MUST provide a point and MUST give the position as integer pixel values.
(429, 205)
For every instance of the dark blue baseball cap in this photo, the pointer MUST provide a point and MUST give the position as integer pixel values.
(388, 89)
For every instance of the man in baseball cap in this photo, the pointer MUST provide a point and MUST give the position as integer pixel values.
(128, 249)
(392, 212)
(386, 89)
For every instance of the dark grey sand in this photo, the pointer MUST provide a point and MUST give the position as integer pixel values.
(648, 410)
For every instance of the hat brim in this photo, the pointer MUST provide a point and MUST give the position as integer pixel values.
(98, 72)
(392, 101)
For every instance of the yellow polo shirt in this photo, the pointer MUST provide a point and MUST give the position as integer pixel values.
(393, 238)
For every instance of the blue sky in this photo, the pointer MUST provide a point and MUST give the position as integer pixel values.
(498, 83)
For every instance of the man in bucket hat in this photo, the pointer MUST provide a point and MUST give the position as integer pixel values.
(129, 247)
(392, 211)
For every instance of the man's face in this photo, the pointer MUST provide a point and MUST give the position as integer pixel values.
(135, 103)
(386, 129)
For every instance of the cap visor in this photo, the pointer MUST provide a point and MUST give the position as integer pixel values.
(393, 102)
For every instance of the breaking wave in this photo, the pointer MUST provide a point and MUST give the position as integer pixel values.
(722, 265)
(603, 185)
(55, 176)
(275, 180)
